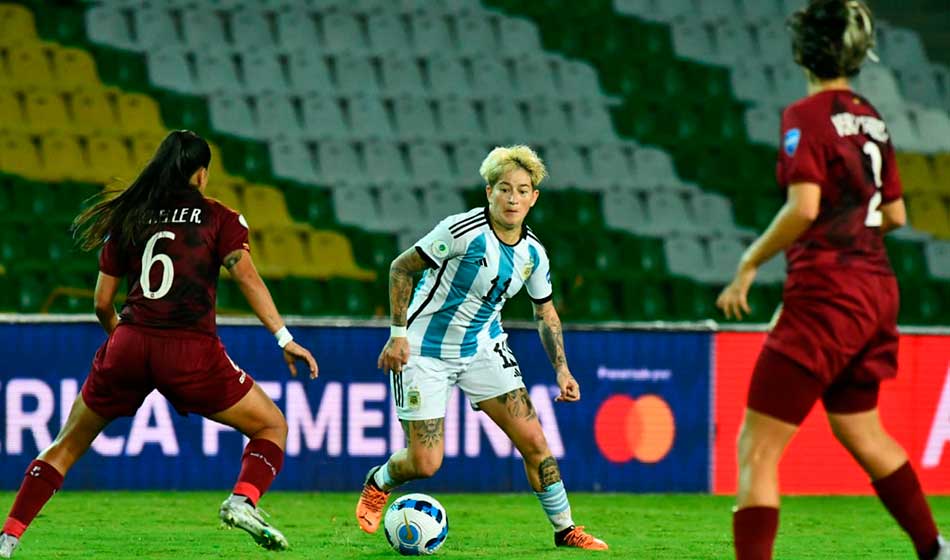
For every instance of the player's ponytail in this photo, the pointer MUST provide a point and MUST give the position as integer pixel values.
(127, 213)
(831, 38)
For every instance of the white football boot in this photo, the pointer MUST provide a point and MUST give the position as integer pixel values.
(8, 544)
(237, 512)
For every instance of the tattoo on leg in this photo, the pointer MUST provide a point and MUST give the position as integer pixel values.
(428, 432)
(518, 404)
(548, 472)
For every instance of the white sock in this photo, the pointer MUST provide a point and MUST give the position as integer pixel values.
(554, 502)
(383, 479)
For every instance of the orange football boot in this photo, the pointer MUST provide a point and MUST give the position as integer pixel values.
(575, 537)
(369, 510)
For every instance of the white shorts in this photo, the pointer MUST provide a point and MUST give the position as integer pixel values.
(422, 389)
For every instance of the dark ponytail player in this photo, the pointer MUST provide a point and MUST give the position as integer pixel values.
(836, 337)
(169, 242)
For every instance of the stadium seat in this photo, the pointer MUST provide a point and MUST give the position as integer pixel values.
(275, 117)
(645, 301)
(934, 128)
(942, 172)
(733, 39)
(74, 68)
(250, 27)
(750, 82)
(916, 174)
(653, 168)
(19, 156)
(937, 255)
(387, 33)
(399, 210)
(296, 27)
(623, 209)
(309, 73)
(548, 120)
(355, 206)
(266, 208)
(929, 213)
(712, 212)
(63, 159)
(278, 252)
(46, 112)
(93, 111)
(292, 159)
(429, 164)
(519, 36)
(903, 131)
(28, 66)
(592, 122)
(106, 25)
(203, 29)
(475, 35)
(402, 76)
(144, 146)
(566, 168)
(458, 121)
(901, 48)
(487, 72)
(468, 157)
(356, 75)
(17, 25)
(415, 119)
(323, 118)
(579, 81)
(339, 164)
(430, 33)
(448, 78)
(919, 84)
(609, 167)
(168, 68)
(504, 122)
(369, 119)
(262, 72)
(534, 76)
(385, 165)
(229, 194)
(216, 72)
(11, 113)
(110, 160)
(440, 203)
(154, 28)
(231, 114)
(342, 34)
(686, 257)
(331, 255)
(692, 39)
(763, 125)
(691, 301)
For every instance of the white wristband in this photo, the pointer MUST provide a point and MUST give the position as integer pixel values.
(397, 331)
(283, 337)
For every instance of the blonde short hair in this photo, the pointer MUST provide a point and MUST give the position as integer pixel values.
(501, 160)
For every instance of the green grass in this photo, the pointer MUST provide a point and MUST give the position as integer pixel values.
(184, 525)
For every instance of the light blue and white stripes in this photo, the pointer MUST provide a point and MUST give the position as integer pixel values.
(556, 507)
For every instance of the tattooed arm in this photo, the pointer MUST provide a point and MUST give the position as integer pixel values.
(552, 338)
(396, 352)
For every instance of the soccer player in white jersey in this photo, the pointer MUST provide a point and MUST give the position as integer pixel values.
(449, 333)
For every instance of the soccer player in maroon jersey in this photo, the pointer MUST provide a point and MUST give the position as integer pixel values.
(836, 336)
(170, 242)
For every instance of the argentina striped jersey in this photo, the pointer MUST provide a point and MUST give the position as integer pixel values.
(457, 305)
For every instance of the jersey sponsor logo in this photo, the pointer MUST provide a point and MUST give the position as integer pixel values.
(848, 124)
(792, 137)
(440, 248)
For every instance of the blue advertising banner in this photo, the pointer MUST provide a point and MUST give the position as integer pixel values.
(642, 424)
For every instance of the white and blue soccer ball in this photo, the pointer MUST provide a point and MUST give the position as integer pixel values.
(416, 524)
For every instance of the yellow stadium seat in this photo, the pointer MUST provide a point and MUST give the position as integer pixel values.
(144, 147)
(138, 114)
(227, 193)
(916, 174)
(63, 158)
(93, 112)
(110, 161)
(942, 172)
(17, 25)
(331, 255)
(46, 112)
(29, 66)
(20, 156)
(284, 250)
(75, 68)
(929, 213)
(11, 113)
(265, 207)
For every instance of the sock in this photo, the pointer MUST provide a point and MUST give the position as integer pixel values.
(383, 479)
(40, 482)
(901, 494)
(260, 464)
(753, 532)
(555, 505)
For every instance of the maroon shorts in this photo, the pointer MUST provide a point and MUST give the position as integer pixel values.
(190, 369)
(838, 336)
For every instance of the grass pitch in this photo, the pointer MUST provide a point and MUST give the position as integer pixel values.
(147, 525)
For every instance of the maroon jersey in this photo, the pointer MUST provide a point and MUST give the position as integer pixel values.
(173, 275)
(837, 140)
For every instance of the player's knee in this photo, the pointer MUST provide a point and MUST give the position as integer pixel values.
(755, 450)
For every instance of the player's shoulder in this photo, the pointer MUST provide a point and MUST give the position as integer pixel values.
(467, 223)
(533, 241)
(807, 111)
(220, 211)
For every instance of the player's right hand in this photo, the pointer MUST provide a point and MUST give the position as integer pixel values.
(294, 352)
(394, 355)
(734, 298)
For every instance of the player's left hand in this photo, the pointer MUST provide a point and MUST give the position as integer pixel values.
(734, 299)
(570, 390)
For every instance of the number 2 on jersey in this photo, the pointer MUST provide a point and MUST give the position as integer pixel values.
(149, 259)
(874, 217)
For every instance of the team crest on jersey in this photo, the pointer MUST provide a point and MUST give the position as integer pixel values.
(792, 137)
(242, 221)
(440, 248)
(528, 268)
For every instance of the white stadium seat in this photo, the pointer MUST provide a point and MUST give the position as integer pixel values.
(230, 113)
(276, 117)
(323, 118)
(291, 159)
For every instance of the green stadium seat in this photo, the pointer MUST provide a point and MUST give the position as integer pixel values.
(309, 204)
(644, 301)
(907, 258)
(32, 292)
(592, 301)
(348, 297)
(692, 301)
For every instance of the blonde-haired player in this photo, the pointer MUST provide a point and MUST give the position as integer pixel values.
(448, 332)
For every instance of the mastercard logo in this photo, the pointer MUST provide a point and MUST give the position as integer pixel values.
(626, 428)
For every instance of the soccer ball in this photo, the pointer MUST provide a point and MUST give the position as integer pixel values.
(416, 524)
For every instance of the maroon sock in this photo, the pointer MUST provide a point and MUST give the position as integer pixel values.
(40, 482)
(260, 464)
(753, 531)
(901, 494)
